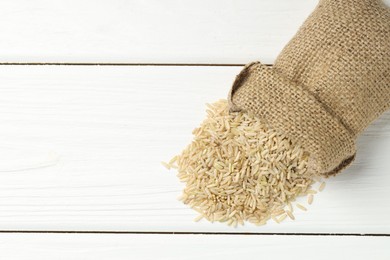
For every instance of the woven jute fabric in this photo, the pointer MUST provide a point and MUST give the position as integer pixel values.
(328, 84)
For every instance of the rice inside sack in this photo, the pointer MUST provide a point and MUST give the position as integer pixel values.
(236, 169)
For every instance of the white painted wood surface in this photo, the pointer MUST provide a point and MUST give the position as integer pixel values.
(152, 31)
(81, 146)
(190, 247)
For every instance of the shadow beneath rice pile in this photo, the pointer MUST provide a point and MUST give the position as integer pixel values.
(236, 170)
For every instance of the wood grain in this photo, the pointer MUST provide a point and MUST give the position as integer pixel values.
(80, 149)
(153, 31)
(76, 246)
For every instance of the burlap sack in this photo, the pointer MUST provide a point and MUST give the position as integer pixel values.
(330, 81)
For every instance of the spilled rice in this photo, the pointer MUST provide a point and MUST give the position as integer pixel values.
(236, 170)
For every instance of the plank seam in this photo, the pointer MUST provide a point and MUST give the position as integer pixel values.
(119, 64)
(193, 233)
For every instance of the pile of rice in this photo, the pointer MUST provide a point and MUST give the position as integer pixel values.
(236, 170)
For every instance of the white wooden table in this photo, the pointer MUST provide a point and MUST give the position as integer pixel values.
(94, 94)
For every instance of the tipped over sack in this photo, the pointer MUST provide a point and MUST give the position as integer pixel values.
(327, 85)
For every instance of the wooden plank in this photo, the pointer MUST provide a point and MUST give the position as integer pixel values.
(153, 31)
(95, 246)
(80, 149)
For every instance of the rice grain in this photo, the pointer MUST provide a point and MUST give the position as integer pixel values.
(310, 199)
(290, 215)
(283, 217)
(322, 186)
(166, 165)
(301, 207)
(236, 169)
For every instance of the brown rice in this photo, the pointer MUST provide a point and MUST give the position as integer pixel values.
(236, 169)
